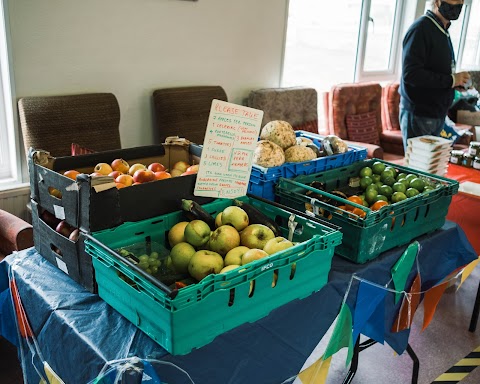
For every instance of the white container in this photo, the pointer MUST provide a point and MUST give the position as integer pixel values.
(429, 143)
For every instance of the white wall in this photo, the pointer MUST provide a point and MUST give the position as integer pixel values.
(131, 47)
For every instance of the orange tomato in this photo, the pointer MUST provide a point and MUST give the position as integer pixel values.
(377, 205)
(341, 209)
(72, 174)
(354, 199)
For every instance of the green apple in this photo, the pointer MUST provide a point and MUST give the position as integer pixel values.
(234, 256)
(252, 255)
(224, 239)
(204, 263)
(256, 236)
(236, 217)
(218, 220)
(177, 233)
(277, 244)
(229, 268)
(197, 233)
(181, 255)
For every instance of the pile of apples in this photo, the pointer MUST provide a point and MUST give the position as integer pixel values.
(200, 251)
(126, 175)
(60, 226)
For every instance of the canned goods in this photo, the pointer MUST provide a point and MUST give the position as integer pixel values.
(468, 160)
(474, 148)
(476, 163)
(456, 157)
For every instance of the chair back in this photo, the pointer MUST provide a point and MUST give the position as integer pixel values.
(184, 111)
(296, 105)
(53, 123)
(353, 99)
(391, 107)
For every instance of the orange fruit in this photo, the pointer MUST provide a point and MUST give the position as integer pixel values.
(120, 185)
(359, 212)
(378, 204)
(341, 209)
(354, 199)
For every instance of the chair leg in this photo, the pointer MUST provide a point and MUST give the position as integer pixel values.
(416, 364)
(476, 310)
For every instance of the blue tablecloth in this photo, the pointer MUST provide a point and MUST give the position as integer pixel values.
(77, 332)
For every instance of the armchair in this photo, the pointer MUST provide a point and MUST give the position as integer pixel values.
(53, 123)
(184, 111)
(391, 135)
(297, 105)
(354, 114)
(15, 234)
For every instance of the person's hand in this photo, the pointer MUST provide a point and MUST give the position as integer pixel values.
(461, 79)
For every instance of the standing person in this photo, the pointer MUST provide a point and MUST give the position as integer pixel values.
(428, 71)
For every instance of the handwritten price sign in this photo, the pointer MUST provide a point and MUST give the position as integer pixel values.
(230, 140)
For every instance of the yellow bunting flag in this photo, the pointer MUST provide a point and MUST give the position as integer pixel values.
(316, 373)
(432, 297)
(467, 271)
(52, 377)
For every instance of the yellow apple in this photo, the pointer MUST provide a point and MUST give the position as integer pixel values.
(256, 236)
(277, 244)
(252, 255)
(204, 263)
(103, 168)
(229, 268)
(234, 256)
(181, 166)
(135, 167)
(223, 239)
(197, 233)
(236, 217)
(181, 255)
(177, 233)
(218, 220)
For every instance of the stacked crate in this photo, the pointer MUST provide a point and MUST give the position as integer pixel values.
(90, 204)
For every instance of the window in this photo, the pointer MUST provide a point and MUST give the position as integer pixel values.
(9, 169)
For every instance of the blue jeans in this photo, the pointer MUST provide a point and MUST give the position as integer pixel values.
(413, 126)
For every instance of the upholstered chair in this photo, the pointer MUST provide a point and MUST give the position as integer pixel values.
(353, 112)
(15, 234)
(54, 123)
(184, 111)
(391, 135)
(296, 105)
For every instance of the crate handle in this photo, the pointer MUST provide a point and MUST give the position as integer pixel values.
(170, 293)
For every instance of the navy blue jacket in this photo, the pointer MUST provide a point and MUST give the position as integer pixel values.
(426, 84)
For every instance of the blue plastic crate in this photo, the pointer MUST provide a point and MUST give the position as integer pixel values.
(263, 180)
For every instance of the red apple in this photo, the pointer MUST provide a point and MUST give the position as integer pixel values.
(162, 175)
(115, 174)
(49, 219)
(120, 165)
(156, 167)
(120, 185)
(135, 167)
(96, 174)
(193, 168)
(125, 179)
(74, 235)
(143, 176)
(64, 229)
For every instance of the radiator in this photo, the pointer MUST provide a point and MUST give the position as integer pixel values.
(15, 201)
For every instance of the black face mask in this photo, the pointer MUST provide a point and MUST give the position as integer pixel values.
(450, 11)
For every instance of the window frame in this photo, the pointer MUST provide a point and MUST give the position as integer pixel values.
(395, 48)
(11, 166)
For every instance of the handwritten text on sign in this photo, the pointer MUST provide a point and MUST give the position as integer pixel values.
(230, 140)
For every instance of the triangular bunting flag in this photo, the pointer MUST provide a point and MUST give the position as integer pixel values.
(316, 373)
(409, 306)
(402, 268)
(375, 326)
(342, 334)
(467, 271)
(369, 298)
(52, 377)
(432, 297)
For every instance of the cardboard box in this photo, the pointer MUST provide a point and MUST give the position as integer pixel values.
(468, 118)
(90, 206)
(65, 254)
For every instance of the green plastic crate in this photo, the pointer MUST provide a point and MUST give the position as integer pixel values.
(393, 225)
(200, 312)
